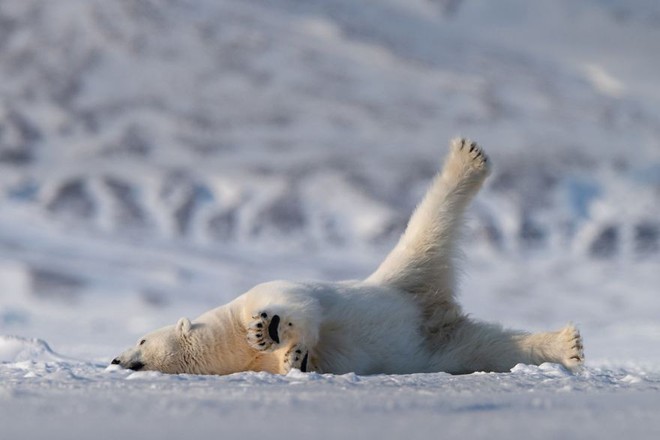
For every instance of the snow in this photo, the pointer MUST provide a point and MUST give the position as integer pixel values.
(158, 158)
(92, 401)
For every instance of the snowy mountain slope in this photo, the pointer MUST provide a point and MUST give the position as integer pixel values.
(177, 110)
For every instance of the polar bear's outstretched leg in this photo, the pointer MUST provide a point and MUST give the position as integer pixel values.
(478, 346)
(422, 263)
(563, 347)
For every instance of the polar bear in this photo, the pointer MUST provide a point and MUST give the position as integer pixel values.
(403, 318)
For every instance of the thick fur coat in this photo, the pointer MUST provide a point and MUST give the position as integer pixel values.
(404, 318)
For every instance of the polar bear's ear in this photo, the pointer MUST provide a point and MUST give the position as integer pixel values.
(183, 326)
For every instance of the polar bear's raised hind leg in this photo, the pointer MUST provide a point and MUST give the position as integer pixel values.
(423, 262)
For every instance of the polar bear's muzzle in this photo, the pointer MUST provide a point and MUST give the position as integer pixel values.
(133, 365)
(136, 366)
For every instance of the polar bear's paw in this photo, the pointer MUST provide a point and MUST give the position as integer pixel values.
(296, 357)
(467, 159)
(263, 332)
(573, 353)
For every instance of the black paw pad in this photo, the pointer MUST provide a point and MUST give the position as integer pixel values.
(303, 365)
(272, 329)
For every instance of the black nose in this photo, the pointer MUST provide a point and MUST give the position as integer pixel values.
(115, 361)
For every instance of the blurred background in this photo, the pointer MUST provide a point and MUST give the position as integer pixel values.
(160, 157)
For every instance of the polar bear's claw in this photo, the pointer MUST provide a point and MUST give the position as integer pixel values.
(468, 159)
(263, 333)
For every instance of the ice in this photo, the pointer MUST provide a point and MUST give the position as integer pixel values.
(158, 158)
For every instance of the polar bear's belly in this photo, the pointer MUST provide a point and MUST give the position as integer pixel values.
(378, 336)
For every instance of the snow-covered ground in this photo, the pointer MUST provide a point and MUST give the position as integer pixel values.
(56, 398)
(159, 157)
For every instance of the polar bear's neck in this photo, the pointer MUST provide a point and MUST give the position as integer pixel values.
(223, 339)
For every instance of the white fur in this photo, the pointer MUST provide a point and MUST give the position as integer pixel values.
(404, 318)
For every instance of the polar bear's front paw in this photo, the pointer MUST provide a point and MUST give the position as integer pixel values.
(296, 357)
(263, 332)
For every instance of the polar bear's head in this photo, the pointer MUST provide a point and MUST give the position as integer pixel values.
(171, 349)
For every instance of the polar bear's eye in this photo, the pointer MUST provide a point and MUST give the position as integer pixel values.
(142, 342)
